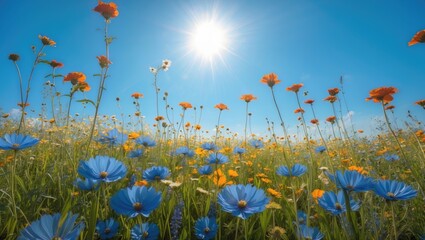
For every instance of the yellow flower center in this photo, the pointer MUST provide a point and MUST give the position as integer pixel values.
(145, 234)
(390, 194)
(338, 206)
(242, 204)
(103, 174)
(137, 206)
(207, 230)
(15, 145)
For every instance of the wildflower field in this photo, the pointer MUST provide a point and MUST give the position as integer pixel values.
(99, 177)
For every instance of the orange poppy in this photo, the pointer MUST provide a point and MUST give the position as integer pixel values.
(185, 105)
(314, 121)
(159, 118)
(83, 86)
(14, 57)
(295, 87)
(221, 106)
(333, 91)
(421, 103)
(418, 38)
(75, 77)
(309, 101)
(133, 135)
(331, 99)
(248, 97)
(390, 107)
(137, 95)
(55, 64)
(187, 125)
(382, 94)
(270, 79)
(317, 193)
(331, 119)
(103, 61)
(46, 41)
(107, 10)
(299, 110)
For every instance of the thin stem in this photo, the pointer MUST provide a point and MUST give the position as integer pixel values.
(281, 122)
(246, 123)
(69, 108)
(394, 221)
(392, 132)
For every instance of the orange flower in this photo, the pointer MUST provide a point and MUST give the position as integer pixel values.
(314, 121)
(141, 183)
(317, 193)
(331, 119)
(75, 77)
(185, 105)
(382, 94)
(309, 101)
(299, 110)
(197, 127)
(5, 115)
(83, 87)
(159, 118)
(358, 169)
(133, 135)
(187, 125)
(55, 64)
(390, 107)
(421, 103)
(137, 95)
(233, 173)
(248, 97)
(360, 131)
(270, 79)
(46, 41)
(333, 91)
(274, 193)
(418, 38)
(221, 106)
(107, 10)
(331, 99)
(103, 61)
(295, 87)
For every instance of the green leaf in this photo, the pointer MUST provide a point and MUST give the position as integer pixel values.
(48, 75)
(43, 61)
(86, 101)
(97, 75)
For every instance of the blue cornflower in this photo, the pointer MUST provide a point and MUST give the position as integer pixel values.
(205, 228)
(205, 170)
(146, 141)
(302, 217)
(102, 168)
(176, 220)
(394, 190)
(185, 151)
(242, 200)
(336, 203)
(239, 150)
(87, 185)
(17, 142)
(135, 153)
(353, 181)
(312, 233)
(256, 143)
(209, 146)
(156, 173)
(49, 227)
(136, 200)
(133, 180)
(113, 138)
(391, 157)
(217, 158)
(107, 229)
(320, 149)
(145, 231)
(296, 170)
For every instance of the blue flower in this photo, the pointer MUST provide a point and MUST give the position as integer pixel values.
(107, 229)
(136, 200)
(185, 151)
(391, 157)
(242, 200)
(146, 141)
(102, 168)
(312, 233)
(256, 143)
(394, 190)
(239, 150)
(49, 227)
(296, 170)
(113, 138)
(87, 185)
(205, 228)
(17, 142)
(353, 181)
(145, 231)
(209, 146)
(320, 149)
(176, 220)
(132, 181)
(302, 217)
(217, 158)
(156, 173)
(135, 153)
(205, 170)
(336, 203)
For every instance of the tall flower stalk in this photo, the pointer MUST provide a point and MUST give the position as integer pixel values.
(247, 98)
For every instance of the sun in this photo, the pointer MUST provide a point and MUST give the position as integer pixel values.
(208, 39)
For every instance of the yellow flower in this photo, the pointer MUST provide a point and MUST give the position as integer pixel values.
(233, 173)
(141, 183)
(133, 135)
(358, 169)
(266, 180)
(274, 193)
(317, 193)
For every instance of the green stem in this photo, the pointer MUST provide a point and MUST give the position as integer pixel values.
(282, 124)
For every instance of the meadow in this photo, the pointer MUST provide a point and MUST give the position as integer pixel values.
(65, 177)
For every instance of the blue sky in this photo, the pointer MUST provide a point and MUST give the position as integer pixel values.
(309, 42)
